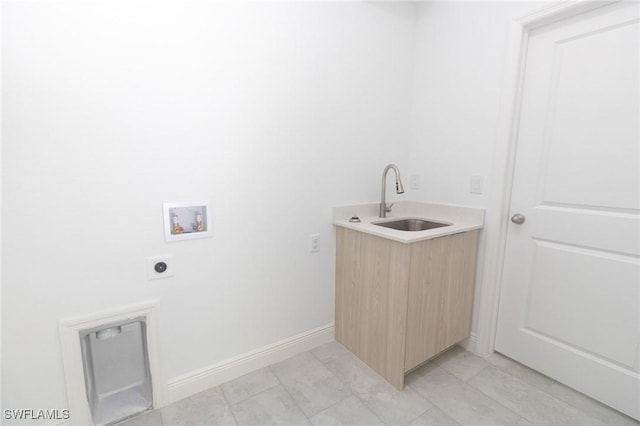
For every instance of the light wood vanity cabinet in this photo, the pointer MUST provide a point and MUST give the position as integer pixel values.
(397, 304)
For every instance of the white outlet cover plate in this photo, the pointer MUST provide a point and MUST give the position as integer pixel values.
(151, 263)
(415, 182)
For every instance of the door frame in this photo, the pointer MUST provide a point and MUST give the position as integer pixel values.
(504, 160)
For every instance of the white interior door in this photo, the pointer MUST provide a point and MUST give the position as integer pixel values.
(570, 296)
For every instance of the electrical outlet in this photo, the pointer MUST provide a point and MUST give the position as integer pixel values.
(476, 184)
(160, 267)
(315, 243)
(414, 182)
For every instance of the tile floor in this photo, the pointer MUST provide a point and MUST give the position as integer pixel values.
(330, 386)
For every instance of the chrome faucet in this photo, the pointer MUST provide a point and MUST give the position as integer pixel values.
(384, 208)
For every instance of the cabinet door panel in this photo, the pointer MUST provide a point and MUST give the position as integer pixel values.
(371, 300)
(440, 301)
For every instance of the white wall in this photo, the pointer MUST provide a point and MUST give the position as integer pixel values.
(460, 58)
(1, 405)
(274, 112)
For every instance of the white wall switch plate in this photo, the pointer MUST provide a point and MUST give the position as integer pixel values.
(476, 184)
(159, 267)
(315, 243)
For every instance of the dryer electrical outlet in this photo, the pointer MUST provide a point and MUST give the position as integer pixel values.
(160, 267)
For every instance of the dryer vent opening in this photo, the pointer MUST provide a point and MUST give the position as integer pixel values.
(116, 370)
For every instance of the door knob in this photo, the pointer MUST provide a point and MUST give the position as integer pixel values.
(518, 219)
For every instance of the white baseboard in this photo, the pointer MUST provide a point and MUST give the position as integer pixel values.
(202, 379)
(471, 344)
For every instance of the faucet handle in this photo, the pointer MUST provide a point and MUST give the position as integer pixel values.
(388, 207)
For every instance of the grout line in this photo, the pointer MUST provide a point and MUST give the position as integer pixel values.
(350, 393)
(315, 356)
(535, 388)
(294, 401)
(575, 407)
(332, 405)
(368, 408)
(477, 373)
(433, 404)
(289, 393)
(545, 389)
(328, 361)
(348, 387)
(366, 404)
(425, 411)
(344, 385)
(498, 402)
(465, 384)
(226, 400)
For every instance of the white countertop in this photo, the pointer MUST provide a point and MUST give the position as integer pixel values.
(462, 219)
